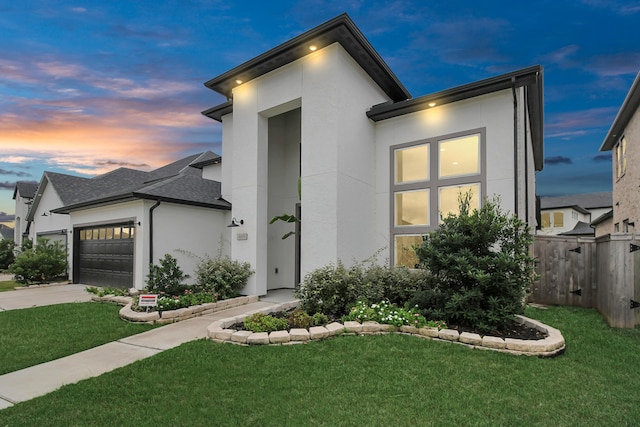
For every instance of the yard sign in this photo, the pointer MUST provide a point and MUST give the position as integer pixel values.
(148, 300)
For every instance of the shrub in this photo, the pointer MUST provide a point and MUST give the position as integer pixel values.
(333, 290)
(167, 278)
(222, 276)
(482, 263)
(320, 319)
(40, 264)
(7, 256)
(300, 319)
(259, 322)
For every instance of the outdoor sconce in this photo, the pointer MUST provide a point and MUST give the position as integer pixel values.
(236, 223)
(44, 214)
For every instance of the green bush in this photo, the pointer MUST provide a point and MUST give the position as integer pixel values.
(222, 276)
(259, 322)
(333, 290)
(300, 319)
(7, 256)
(166, 278)
(40, 264)
(482, 264)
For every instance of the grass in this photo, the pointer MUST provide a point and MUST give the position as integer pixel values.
(37, 335)
(8, 285)
(355, 380)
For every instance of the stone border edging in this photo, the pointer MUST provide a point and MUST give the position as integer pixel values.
(170, 316)
(552, 345)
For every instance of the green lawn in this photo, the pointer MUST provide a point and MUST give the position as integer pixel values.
(40, 334)
(390, 380)
(8, 285)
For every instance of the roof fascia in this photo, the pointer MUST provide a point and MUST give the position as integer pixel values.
(94, 203)
(340, 29)
(629, 107)
(184, 202)
(218, 111)
(531, 77)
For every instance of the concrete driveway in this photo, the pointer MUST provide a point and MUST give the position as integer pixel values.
(44, 295)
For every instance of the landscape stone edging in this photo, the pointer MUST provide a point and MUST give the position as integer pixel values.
(171, 316)
(552, 345)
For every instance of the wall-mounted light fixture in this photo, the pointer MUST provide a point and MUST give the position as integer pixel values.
(236, 223)
(44, 214)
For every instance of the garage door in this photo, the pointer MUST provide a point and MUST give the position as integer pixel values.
(103, 255)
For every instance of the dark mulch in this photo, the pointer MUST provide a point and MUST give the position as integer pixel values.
(516, 330)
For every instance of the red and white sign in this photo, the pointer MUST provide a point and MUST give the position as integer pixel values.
(147, 300)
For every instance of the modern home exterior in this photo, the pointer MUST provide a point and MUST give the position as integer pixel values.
(377, 168)
(623, 140)
(572, 215)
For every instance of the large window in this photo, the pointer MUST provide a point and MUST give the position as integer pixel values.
(428, 178)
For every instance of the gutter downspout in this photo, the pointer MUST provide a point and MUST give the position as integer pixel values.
(515, 143)
(151, 209)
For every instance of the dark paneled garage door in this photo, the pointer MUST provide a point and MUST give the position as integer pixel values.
(103, 255)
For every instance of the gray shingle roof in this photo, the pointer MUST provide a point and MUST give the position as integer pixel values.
(176, 182)
(26, 189)
(581, 229)
(585, 201)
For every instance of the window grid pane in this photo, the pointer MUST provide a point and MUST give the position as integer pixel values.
(412, 164)
(412, 208)
(459, 156)
(405, 254)
(449, 199)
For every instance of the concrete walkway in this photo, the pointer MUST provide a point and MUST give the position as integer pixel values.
(43, 295)
(41, 379)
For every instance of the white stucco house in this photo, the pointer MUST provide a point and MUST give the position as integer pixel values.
(377, 167)
(114, 225)
(573, 215)
(23, 194)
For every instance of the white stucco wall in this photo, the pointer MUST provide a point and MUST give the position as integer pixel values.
(20, 222)
(185, 232)
(338, 149)
(212, 172)
(493, 112)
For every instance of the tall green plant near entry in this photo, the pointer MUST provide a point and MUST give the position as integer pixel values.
(293, 219)
(39, 264)
(482, 264)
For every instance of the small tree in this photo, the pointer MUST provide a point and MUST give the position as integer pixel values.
(167, 278)
(40, 264)
(482, 264)
(7, 256)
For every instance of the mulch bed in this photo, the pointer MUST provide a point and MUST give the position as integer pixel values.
(516, 331)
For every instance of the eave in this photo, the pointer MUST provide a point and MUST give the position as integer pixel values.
(341, 30)
(627, 110)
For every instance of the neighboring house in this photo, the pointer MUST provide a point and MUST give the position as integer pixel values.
(6, 232)
(117, 223)
(23, 194)
(377, 167)
(623, 140)
(573, 215)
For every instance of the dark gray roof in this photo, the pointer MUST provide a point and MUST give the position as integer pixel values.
(627, 110)
(177, 182)
(340, 29)
(585, 201)
(27, 189)
(581, 229)
(207, 158)
(6, 232)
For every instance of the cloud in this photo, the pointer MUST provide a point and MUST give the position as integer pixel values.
(601, 158)
(5, 217)
(16, 173)
(621, 7)
(120, 164)
(579, 123)
(557, 160)
(6, 185)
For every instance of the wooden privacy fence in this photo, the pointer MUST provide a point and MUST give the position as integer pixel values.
(601, 273)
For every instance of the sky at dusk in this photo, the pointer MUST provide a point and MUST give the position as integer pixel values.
(88, 86)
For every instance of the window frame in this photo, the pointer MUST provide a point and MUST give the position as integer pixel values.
(621, 157)
(433, 183)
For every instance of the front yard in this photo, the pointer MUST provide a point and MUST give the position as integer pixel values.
(355, 380)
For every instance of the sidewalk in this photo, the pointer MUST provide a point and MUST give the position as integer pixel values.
(41, 379)
(43, 295)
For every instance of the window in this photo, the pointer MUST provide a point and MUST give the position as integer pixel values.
(427, 178)
(621, 157)
(545, 217)
(558, 219)
(108, 233)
